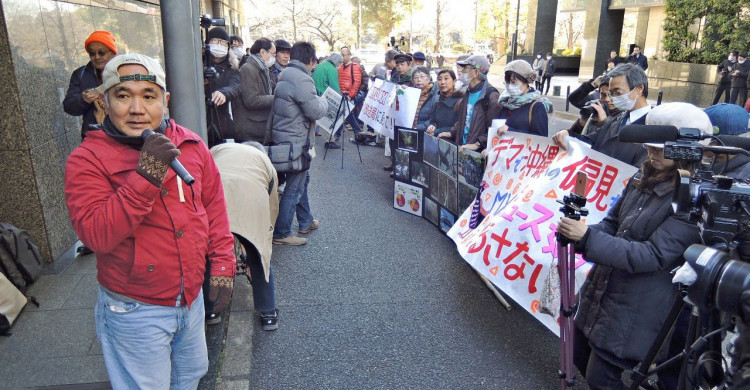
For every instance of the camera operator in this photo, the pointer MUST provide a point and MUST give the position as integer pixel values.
(629, 291)
(223, 88)
(597, 103)
(628, 87)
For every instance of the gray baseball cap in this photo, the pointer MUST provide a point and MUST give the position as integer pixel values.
(478, 61)
(110, 76)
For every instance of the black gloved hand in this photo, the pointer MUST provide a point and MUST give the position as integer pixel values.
(156, 154)
(220, 291)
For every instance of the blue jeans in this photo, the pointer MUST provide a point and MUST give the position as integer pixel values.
(151, 346)
(293, 201)
(264, 293)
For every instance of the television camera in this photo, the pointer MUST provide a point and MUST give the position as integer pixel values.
(206, 22)
(720, 207)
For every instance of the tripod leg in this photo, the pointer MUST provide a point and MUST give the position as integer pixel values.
(562, 260)
(571, 305)
(333, 126)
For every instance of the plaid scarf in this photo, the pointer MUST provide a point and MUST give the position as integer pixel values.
(512, 103)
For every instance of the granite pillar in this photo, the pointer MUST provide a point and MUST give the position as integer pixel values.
(540, 26)
(602, 34)
(641, 27)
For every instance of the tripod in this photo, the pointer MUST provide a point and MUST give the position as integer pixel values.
(343, 111)
(566, 258)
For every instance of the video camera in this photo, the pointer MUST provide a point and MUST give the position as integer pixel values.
(206, 21)
(397, 45)
(720, 207)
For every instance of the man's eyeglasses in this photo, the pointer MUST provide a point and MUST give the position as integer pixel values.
(605, 95)
(100, 53)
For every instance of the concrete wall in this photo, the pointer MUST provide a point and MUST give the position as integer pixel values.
(41, 44)
(682, 82)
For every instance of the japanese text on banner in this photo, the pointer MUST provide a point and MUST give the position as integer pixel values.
(515, 246)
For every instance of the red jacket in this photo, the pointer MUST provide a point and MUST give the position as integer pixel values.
(348, 84)
(147, 241)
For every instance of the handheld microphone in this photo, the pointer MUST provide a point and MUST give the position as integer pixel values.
(175, 164)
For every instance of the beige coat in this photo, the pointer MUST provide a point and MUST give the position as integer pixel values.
(250, 188)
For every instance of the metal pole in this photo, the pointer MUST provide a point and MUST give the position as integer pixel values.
(515, 41)
(567, 99)
(359, 25)
(184, 68)
(658, 99)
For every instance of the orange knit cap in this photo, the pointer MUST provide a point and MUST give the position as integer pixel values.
(104, 37)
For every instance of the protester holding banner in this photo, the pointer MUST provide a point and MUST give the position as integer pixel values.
(445, 111)
(523, 108)
(478, 107)
(629, 291)
(420, 77)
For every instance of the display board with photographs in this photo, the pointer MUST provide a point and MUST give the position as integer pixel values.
(448, 179)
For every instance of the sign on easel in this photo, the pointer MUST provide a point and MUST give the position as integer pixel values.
(387, 105)
(334, 100)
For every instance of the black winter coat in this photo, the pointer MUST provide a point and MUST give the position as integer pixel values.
(740, 81)
(723, 70)
(583, 94)
(629, 291)
(445, 112)
(82, 79)
(605, 141)
(228, 83)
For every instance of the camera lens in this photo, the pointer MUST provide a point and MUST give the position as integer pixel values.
(720, 280)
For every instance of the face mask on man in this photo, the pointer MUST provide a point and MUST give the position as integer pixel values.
(269, 62)
(465, 78)
(513, 89)
(549, 58)
(218, 51)
(624, 102)
(538, 56)
(239, 51)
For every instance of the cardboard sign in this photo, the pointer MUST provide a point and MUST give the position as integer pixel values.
(515, 245)
(387, 105)
(334, 101)
(407, 197)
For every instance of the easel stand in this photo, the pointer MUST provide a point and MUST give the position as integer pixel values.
(566, 258)
(342, 112)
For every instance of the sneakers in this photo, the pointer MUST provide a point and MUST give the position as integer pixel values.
(270, 321)
(213, 319)
(314, 225)
(291, 240)
(332, 145)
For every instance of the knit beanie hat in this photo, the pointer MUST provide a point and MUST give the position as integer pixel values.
(104, 37)
(217, 32)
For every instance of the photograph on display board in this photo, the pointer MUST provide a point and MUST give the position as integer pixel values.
(447, 153)
(446, 220)
(408, 198)
(466, 196)
(432, 211)
(441, 192)
(402, 165)
(420, 174)
(430, 151)
(408, 140)
(470, 167)
(433, 181)
(451, 196)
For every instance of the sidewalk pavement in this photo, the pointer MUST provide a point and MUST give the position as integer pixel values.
(55, 346)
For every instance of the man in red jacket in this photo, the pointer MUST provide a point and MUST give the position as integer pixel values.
(151, 232)
(350, 78)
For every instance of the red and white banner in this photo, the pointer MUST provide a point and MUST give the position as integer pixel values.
(515, 246)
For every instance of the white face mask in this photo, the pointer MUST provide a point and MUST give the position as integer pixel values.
(218, 51)
(623, 102)
(538, 56)
(465, 78)
(238, 51)
(549, 58)
(513, 89)
(269, 62)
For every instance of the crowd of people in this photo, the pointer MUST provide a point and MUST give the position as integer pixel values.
(165, 245)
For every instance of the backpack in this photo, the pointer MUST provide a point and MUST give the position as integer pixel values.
(12, 302)
(20, 261)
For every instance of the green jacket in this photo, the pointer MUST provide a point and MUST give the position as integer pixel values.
(400, 79)
(325, 76)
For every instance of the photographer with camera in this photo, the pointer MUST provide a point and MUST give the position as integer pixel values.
(628, 88)
(222, 87)
(629, 291)
(256, 92)
(596, 106)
